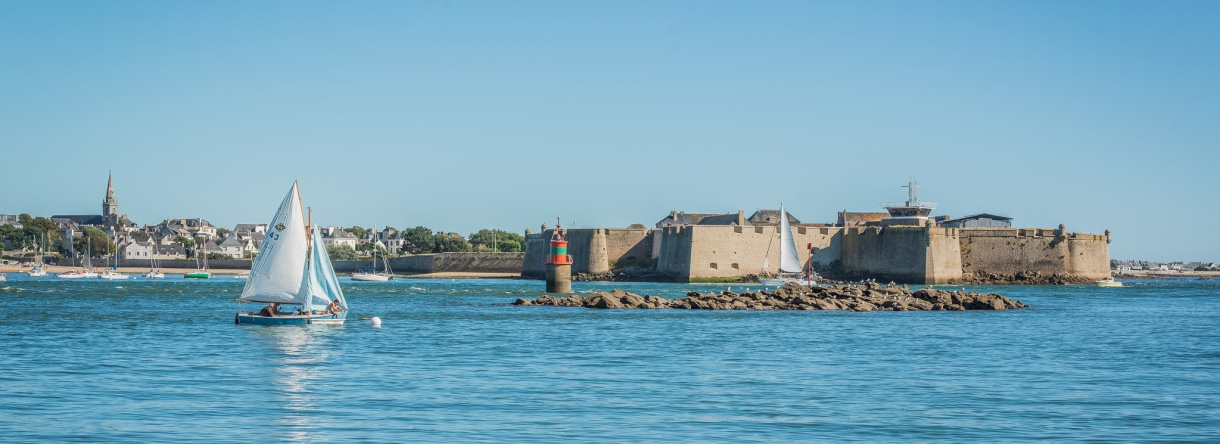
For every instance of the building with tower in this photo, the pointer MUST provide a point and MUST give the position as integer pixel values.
(109, 220)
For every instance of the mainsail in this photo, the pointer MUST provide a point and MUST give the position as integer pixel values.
(788, 261)
(277, 273)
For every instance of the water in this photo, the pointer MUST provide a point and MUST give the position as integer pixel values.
(144, 360)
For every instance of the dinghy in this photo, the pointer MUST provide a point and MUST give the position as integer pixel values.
(292, 269)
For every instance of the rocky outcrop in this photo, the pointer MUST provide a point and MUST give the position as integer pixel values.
(864, 297)
(1021, 278)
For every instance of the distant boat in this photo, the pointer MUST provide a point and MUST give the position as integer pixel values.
(3, 277)
(112, 273)
(372, 275)
(200, 273)
(242, 275)
(292, 268)
(789, 263)
(40, 269)
(153, 272)
(1109, 282)
(87, 264)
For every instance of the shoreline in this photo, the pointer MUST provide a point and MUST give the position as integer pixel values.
(56, 269)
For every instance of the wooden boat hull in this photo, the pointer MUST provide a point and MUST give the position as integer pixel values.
(255, 319)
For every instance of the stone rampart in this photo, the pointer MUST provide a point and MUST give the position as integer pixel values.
(1008, 251)
(727, 251)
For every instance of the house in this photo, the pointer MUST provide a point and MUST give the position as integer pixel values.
(339, 237)
(172, 251)
(137, 250)
(232, 247)
(982, 220)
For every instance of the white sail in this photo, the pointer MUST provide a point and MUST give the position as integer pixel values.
(320, 285)
(788, 261)
(277, 271)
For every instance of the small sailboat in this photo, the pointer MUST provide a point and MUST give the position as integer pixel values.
(40, 269)
(86, 263)
(292, 268)
(372, 275)
(789, 263)
(200, 273)
(3, 277)
(111, 273)
(153, 272)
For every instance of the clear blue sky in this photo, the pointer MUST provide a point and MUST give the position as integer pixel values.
(465, 115)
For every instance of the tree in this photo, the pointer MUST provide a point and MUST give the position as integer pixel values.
(450, 244)
(187, 244)
(417, 240)
(341, 252)
(94, 241)
(222, 233)
(497, 240)
(356, 231)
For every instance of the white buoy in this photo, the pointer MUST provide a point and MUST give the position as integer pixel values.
(375, 321)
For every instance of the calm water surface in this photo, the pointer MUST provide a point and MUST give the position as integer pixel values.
(150, 360)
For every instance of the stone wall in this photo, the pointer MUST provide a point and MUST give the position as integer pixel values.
(1008, 251)
(724, 251)
(897, 254)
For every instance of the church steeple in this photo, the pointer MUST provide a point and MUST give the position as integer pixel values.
(110, 206)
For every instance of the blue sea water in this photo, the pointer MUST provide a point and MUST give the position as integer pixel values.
(156, 361)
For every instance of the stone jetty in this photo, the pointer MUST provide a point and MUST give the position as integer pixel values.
(863, 297)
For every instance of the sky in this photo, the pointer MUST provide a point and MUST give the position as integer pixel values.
(467, 115)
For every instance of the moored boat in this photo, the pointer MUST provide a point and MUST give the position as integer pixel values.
(1109, 282)
(292, 268)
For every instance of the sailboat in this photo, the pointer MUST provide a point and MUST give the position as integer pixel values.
(373, 275)
(112, 273)
(292, 268)
(200, 273)
(40, 269)
(789, 263)
(153, 272)
(87, 263)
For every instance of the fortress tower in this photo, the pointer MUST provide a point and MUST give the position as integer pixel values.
(110, 206)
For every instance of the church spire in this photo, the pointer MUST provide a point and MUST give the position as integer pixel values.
(110, 206)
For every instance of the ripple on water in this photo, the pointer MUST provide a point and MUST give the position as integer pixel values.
(161, 360)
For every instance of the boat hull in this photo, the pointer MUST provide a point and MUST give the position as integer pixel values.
(197, 275)
(370, 278)
(255, 319)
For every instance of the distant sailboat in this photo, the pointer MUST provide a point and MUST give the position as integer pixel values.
(153, 272)
(112, 273)
(292, 268)
(40, 269)
(789, 263)
(373, 275)
(200, 273)
(87, 264)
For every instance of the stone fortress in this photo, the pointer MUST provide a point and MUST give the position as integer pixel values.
(904, 245)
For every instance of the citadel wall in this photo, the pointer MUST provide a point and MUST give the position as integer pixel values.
(1008, 251)
(724, 251)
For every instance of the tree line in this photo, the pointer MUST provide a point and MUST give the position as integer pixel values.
(423, 240)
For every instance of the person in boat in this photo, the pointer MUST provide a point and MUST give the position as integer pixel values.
(271, 310)
(334, 307)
